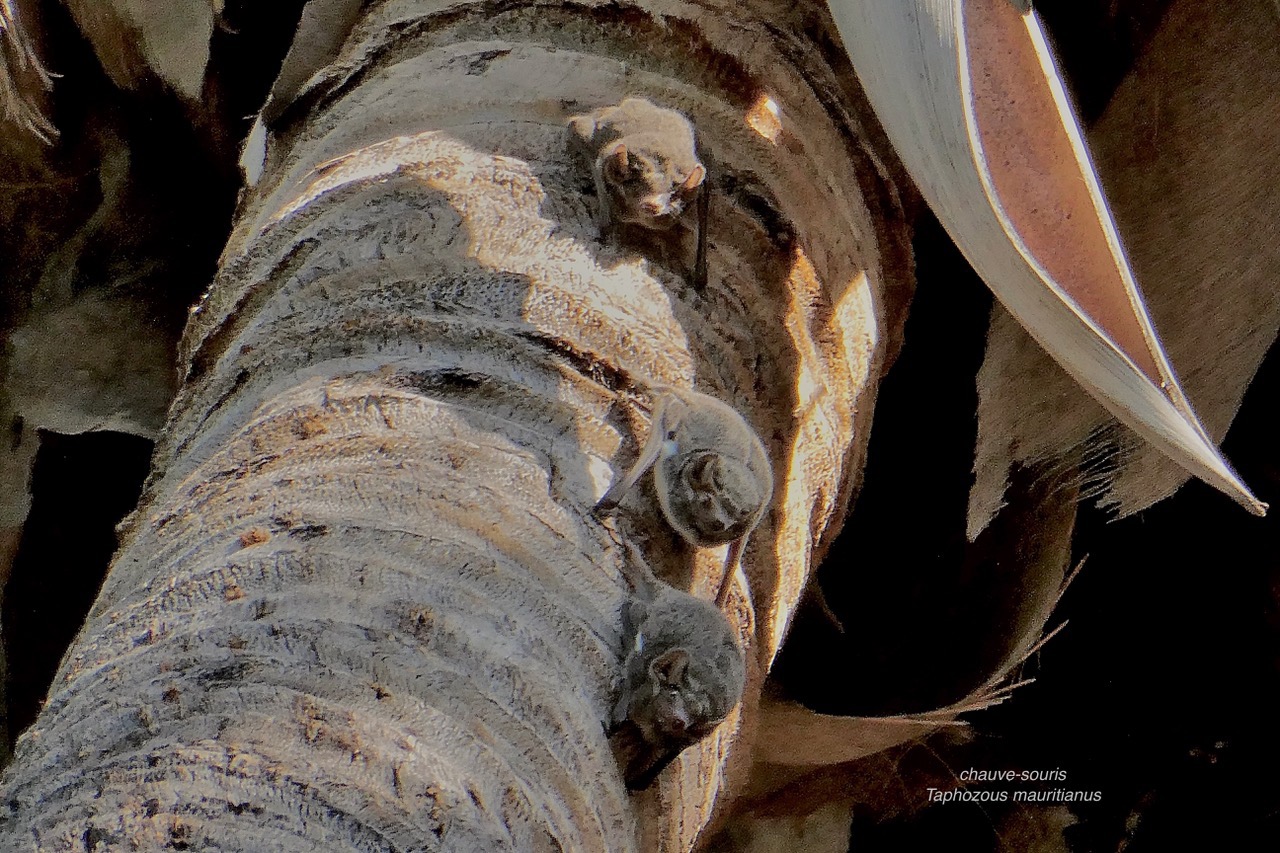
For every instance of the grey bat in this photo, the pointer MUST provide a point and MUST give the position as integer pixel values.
(710, 469)
(684, 672)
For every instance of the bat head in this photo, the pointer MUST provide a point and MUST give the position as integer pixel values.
(722, 497)
(681, 709)
(647, 188)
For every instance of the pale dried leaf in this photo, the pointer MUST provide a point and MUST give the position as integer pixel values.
(791, 734)
(167, 37)
(95, 363)
(321, 30)
(1186, 148)
(969, 95)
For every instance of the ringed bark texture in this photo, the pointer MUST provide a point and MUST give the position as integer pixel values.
(365, 605)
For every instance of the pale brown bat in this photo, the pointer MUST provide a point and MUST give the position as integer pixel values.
(646, 169)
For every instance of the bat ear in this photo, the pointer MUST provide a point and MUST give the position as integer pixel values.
(695, 179)
(669, 667)
(617, 164)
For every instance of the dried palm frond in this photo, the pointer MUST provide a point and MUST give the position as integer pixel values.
(22, 77)
(969, 95)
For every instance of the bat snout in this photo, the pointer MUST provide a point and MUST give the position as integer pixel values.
(655, 206)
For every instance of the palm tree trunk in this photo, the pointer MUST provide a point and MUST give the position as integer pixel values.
(364, 604)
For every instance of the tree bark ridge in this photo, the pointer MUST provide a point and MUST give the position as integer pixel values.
(365, 590)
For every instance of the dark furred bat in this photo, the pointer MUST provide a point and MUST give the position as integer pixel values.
(684, 673)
